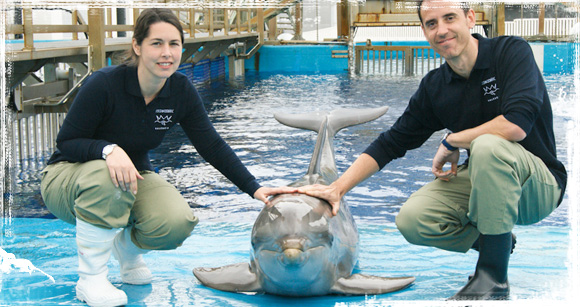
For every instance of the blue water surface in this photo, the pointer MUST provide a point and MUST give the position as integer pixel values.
(242, 111)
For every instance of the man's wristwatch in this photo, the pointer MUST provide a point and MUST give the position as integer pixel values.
(446, 144)
(107, 150)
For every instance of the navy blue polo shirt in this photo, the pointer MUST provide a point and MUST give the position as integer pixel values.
(110, 109)
(504, 81)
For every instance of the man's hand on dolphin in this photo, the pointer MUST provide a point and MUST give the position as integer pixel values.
(264, 193)
(327, 192)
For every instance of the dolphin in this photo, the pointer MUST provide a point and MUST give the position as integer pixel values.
(297, 247)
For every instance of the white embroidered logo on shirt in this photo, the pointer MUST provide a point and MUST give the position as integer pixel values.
(490, 90)
(163, 119)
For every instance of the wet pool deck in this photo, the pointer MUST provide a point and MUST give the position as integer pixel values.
(539, 268)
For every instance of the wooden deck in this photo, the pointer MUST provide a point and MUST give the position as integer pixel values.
(208, 33)
(75, 51)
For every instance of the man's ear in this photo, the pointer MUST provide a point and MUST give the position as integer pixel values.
(471, 18)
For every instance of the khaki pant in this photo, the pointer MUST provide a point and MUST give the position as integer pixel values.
(504, 185)
(160, 216)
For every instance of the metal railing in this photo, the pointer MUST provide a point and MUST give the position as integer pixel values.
(554, 29)
(395, 60)
(35, 136)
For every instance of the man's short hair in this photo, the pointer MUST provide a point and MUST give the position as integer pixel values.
(464, 5)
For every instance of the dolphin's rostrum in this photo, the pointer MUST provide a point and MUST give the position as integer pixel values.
(298, 248)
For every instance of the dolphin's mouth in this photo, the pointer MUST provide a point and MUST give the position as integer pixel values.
(292, 267)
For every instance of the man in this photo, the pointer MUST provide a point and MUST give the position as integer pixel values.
(491, 96)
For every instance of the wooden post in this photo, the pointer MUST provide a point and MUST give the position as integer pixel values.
(501, 19)
(97, 37)
(249, 20)
(226, 23)
(272, 28)
(210, 22)
(232, 66)
(28, 34)
(75, 13)
(261, 24)
(239, 21)
(135, 16)
(192, 23)
(298, 22)
(541, 18)
(109, 21)
(409, 69)
(342, 10)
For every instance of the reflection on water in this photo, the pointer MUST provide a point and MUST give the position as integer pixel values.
(242, 111)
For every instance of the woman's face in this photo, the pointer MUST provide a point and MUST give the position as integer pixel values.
(160, 52)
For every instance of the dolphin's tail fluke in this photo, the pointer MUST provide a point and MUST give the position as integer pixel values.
(327, 124)
(335, 120)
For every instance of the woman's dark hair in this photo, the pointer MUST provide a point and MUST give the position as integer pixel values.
(142, 25)
(463, 5)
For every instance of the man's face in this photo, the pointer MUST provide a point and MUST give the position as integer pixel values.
(447, 27)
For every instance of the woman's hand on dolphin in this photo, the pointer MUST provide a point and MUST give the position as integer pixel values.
(264, 193)
(327, 192)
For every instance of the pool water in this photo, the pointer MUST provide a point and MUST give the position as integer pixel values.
(242, 111)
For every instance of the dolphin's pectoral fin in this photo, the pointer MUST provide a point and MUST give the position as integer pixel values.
(233, 278)
(359, 284)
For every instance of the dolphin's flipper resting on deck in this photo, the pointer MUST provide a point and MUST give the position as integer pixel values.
(233, 278)
(360, 284)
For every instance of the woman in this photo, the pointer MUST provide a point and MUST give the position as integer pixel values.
(100, 177)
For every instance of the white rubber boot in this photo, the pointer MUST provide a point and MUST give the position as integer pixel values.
(133, 268)
(94, 249)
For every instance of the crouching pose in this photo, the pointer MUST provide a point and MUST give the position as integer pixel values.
(491, 96)
(100, 177)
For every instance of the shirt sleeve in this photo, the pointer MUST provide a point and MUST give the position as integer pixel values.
(523, 88)
(410, 130)
(211, 146)
(75, 139)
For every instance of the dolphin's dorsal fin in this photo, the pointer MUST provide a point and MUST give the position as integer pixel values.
(232, 278)
(360, 284)
(327, 124)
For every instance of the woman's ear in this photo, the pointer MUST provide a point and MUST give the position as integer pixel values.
(136, 48)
